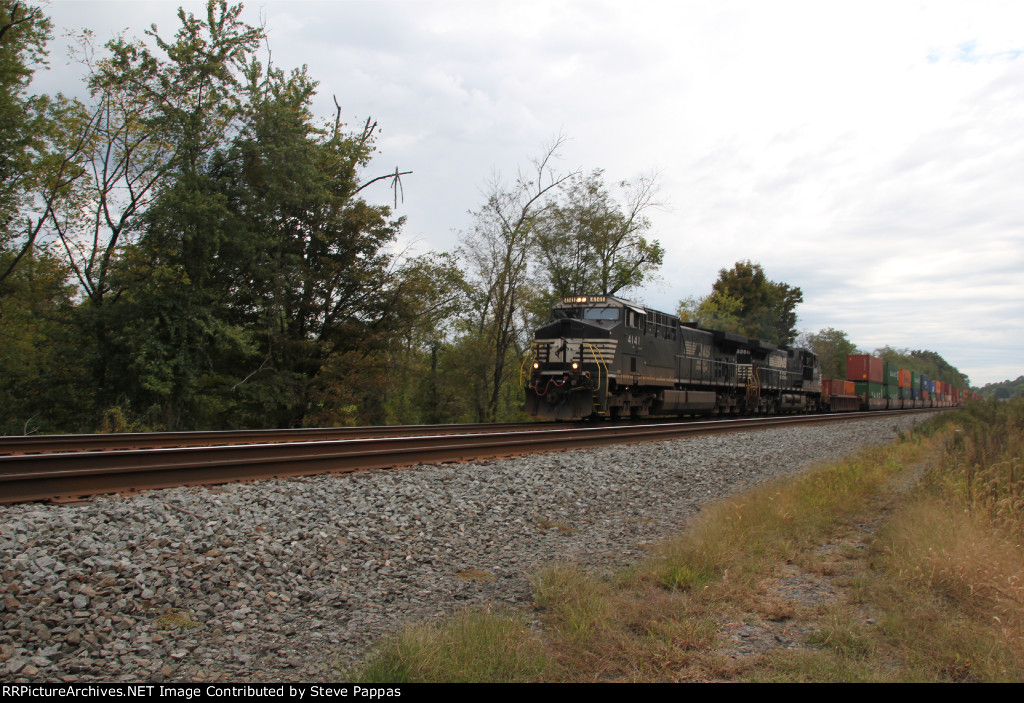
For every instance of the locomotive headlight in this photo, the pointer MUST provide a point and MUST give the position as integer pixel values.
(575, 366)
(536, 365)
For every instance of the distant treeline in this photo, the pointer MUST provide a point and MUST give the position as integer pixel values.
(1003, 390)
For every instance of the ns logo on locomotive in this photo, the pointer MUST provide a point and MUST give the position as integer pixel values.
(602, 356)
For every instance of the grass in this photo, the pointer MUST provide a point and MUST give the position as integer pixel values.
(902, 563)
(471, 646)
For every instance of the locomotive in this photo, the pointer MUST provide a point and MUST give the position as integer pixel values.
(602, 356)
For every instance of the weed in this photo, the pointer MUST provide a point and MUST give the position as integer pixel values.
(471, 646)
(176, 619)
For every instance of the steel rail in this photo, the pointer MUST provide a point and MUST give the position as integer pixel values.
(37, 444)
(73, 475)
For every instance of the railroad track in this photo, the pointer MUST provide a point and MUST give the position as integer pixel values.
(79, 471)
(47, 444)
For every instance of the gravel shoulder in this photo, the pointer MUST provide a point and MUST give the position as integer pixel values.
(290, 580)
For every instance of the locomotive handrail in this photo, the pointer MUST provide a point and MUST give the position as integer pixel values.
(599, 358)
(754, 382)
(532, 353)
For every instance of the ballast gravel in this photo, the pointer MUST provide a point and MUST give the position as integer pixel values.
(295, 580)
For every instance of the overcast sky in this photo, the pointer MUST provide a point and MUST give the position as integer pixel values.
(870, 153)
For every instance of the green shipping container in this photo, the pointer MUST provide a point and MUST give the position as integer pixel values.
(891, 375)
(905, 393)
(915, 380)
(873, 390)
(891, 391)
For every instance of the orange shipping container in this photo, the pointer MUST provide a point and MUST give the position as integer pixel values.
(831, 387)
(905, 378)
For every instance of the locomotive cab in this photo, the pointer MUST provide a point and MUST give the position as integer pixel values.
(569, 361)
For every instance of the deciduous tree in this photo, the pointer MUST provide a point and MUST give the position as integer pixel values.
(743, 300)
(832, 346)
(590, 243)
(498, 251)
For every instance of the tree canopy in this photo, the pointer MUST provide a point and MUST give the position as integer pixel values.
(744, 301)
(832, 346)
(590, 243)
(228, 270)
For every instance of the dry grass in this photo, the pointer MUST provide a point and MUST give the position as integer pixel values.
(935, 594)
(735, 540)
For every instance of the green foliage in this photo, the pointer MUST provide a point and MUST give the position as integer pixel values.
(832, 347)
(424, 384)
(24, 31)
(716, 312)
(41, 139)
(1004, 390)
(43, 383)
(744, 301)
(589, 243)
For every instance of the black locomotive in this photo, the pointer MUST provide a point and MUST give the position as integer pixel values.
(602, 356)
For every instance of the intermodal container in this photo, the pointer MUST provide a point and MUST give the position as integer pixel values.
(869, 389)
(864, 367)
(905, 378)
(890, 374)
(915, 382)
(892, 392)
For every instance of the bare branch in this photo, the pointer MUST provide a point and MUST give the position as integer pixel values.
(396, 183)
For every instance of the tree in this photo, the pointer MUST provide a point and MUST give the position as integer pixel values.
(589, 243)
(744, 301)
(41, 138)
(715, 312)
(316, 283)
(163, 115)
(431, 293)
(498, 252)
(44, 386)
(832, 346)
(24, 31)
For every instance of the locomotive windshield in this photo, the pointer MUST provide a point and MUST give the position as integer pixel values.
(600, 313)
(585, 313)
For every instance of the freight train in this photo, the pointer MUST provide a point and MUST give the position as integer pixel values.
(605, 357)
